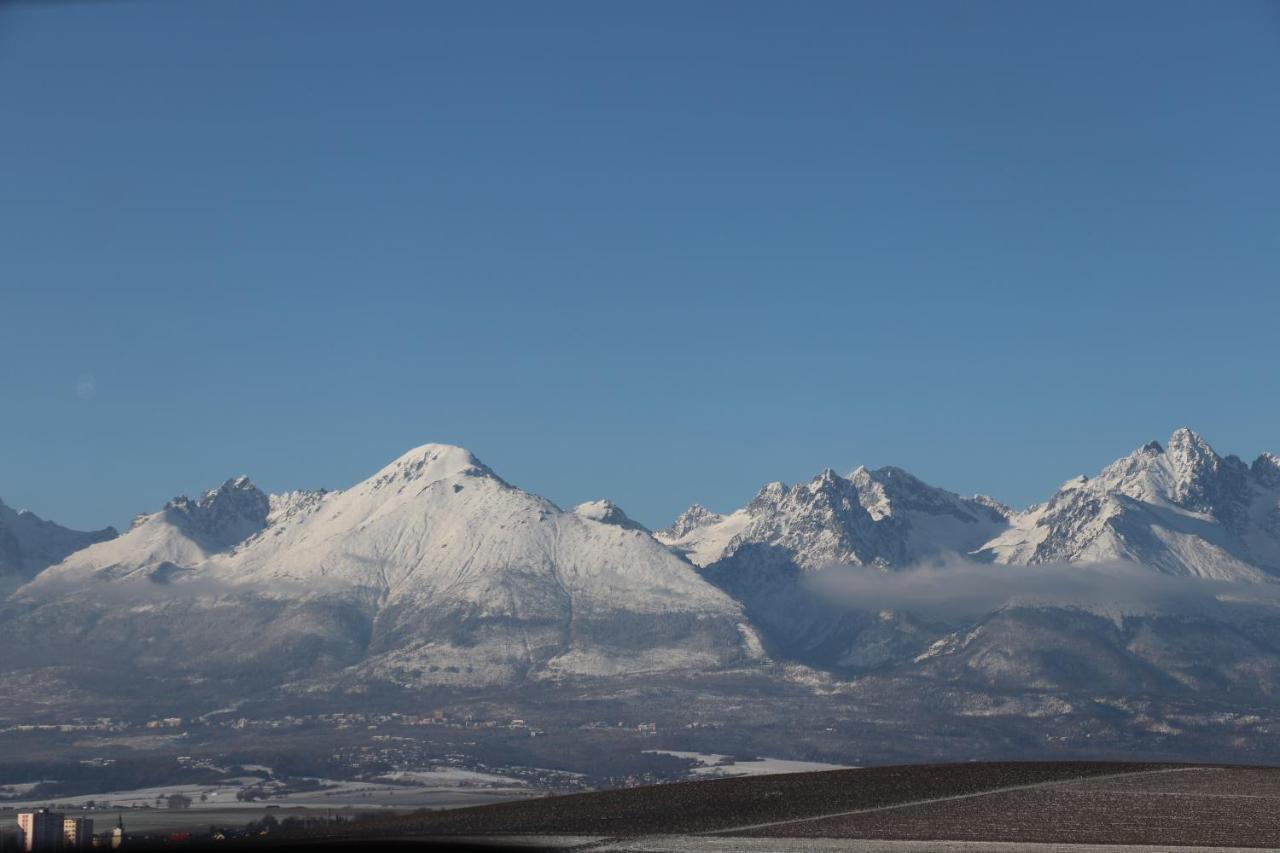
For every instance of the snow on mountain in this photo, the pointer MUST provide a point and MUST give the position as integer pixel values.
(435, 572)
(701, 535)
(29, 543)
(432, 571)
(607, 512)
(1182, 510)
(182, 534)
(884, 517)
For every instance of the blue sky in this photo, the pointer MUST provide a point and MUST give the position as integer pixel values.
(659, 252)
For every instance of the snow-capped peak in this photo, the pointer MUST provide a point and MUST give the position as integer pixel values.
(696, 516)
(429, 463)
(607, 512)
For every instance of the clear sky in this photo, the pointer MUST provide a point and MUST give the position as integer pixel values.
(660, 252)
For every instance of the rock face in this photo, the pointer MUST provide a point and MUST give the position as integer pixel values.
(432, 571)
(29, 544)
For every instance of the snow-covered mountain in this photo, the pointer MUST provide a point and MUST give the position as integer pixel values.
(183, 533)
(432, 571)
(28, 544)
(435, 573)
(1182, 510)
(884, 517)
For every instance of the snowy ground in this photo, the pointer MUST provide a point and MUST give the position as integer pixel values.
(435, 788)
(441, 788)
(450, 776)
(712, 765)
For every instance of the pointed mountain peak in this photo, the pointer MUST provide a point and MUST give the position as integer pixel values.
(693, 518)
(607, 512)
(1194, 466)
(234, 491)
(229, 512)
(234, 484)
(826, 478)
(1151, 448)
(1188, 444)
(1267, 469)
(767, 497)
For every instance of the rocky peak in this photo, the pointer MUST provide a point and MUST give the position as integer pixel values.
(766, 500)
(1266, 469)
(290, 504)
(693, 518)
(229, 513)
(1195, 469)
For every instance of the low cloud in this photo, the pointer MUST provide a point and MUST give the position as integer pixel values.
(956, 588)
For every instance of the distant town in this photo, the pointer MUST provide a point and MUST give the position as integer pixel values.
(368, 763)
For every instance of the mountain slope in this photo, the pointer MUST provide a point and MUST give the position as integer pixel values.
(28, 544)
(183, 533)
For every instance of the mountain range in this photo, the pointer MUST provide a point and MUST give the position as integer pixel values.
(1154, 578)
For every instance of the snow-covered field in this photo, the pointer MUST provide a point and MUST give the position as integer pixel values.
(450, 777)
(711, 764)
(436, 788)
